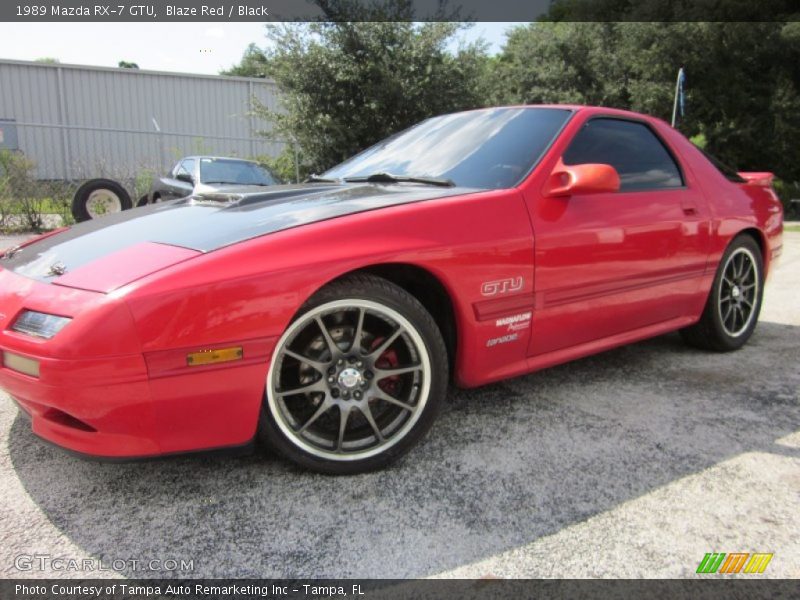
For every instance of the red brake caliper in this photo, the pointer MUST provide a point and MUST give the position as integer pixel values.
(387, 360)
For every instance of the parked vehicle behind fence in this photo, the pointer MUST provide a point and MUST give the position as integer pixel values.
(192, 174)
(207, 174)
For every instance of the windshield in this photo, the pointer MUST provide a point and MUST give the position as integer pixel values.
(220, 170)
(488, 149)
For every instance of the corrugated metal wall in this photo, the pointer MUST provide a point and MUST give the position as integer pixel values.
(78, 122)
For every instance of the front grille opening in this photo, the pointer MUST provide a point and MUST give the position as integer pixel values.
(62, 418)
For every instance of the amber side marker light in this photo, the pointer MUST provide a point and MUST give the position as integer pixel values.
(209, 357)
(21, 364)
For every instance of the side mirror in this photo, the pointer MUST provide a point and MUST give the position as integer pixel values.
(185, 177)
(566, 180)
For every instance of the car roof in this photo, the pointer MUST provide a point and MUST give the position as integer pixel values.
(582, 108)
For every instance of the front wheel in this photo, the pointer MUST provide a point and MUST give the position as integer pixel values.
(356, 380)
(733, 306)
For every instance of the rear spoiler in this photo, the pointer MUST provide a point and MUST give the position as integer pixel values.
(760, 178)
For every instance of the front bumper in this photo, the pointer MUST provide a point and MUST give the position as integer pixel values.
(92, 394)
(98, 393)
(100, 407)
(113, 408)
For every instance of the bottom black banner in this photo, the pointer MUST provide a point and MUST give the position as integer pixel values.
(384, 589)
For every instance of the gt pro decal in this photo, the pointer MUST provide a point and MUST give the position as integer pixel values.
(502, 286)
(515, 322)
(504, 339)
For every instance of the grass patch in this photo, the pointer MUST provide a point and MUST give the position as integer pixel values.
(46, 206)
(792, 228)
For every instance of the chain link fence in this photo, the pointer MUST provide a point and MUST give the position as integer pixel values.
(28, 204)
(31, 204)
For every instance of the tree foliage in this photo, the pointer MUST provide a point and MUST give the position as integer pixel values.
(253, 64)
(671, 11)
(346, 85)
(743, 79)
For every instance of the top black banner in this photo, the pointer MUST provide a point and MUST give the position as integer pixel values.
(398, 10)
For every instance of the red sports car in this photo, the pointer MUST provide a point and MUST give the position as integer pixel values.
(329, 318)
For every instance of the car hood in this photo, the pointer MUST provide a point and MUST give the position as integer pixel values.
(114, 250)
(228, 188)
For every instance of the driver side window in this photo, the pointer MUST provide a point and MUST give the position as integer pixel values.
(640, 158)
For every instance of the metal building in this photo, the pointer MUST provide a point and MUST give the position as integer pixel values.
(78, 122)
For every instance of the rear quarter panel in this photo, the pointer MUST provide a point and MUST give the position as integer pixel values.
(734, 207)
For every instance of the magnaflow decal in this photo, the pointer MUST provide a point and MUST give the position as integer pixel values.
(515, 322)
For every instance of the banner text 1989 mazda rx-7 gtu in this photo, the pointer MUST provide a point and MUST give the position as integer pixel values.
(328, 318)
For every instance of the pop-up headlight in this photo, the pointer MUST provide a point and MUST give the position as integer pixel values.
(39, 324)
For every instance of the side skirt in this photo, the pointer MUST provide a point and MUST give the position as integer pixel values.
(543, 361)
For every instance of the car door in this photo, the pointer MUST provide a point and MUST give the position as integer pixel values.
(180, 182)
(613, 262)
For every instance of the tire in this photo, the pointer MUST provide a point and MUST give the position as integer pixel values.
(143, 200)
(734, 303)
(97, 197)
(390, 386)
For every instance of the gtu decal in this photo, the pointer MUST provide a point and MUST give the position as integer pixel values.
(502, 286)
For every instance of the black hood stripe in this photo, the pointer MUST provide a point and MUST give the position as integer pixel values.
(212, 221)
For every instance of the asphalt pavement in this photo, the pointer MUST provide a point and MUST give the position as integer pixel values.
(632, 463)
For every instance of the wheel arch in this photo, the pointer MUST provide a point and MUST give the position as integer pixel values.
(428, 289)
(758, 236)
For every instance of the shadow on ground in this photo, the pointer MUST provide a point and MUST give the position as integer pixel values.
(503, 466)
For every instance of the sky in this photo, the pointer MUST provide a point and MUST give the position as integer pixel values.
(180, 47)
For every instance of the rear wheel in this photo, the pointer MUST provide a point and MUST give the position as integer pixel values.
(733, 306)
(356, 380)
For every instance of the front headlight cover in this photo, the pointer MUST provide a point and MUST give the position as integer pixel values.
(39, 324)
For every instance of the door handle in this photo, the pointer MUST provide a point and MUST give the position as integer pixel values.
(689, 207)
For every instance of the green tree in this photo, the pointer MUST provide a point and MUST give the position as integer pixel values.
(561, 63)
(742, 87)
(345, 85)
(674, 11)
(124, 64)
(253, 64)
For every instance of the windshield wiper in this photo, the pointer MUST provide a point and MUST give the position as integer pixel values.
(314, 178)
(389, 178)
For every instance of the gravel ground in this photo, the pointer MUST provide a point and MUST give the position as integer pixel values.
(631, 463)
